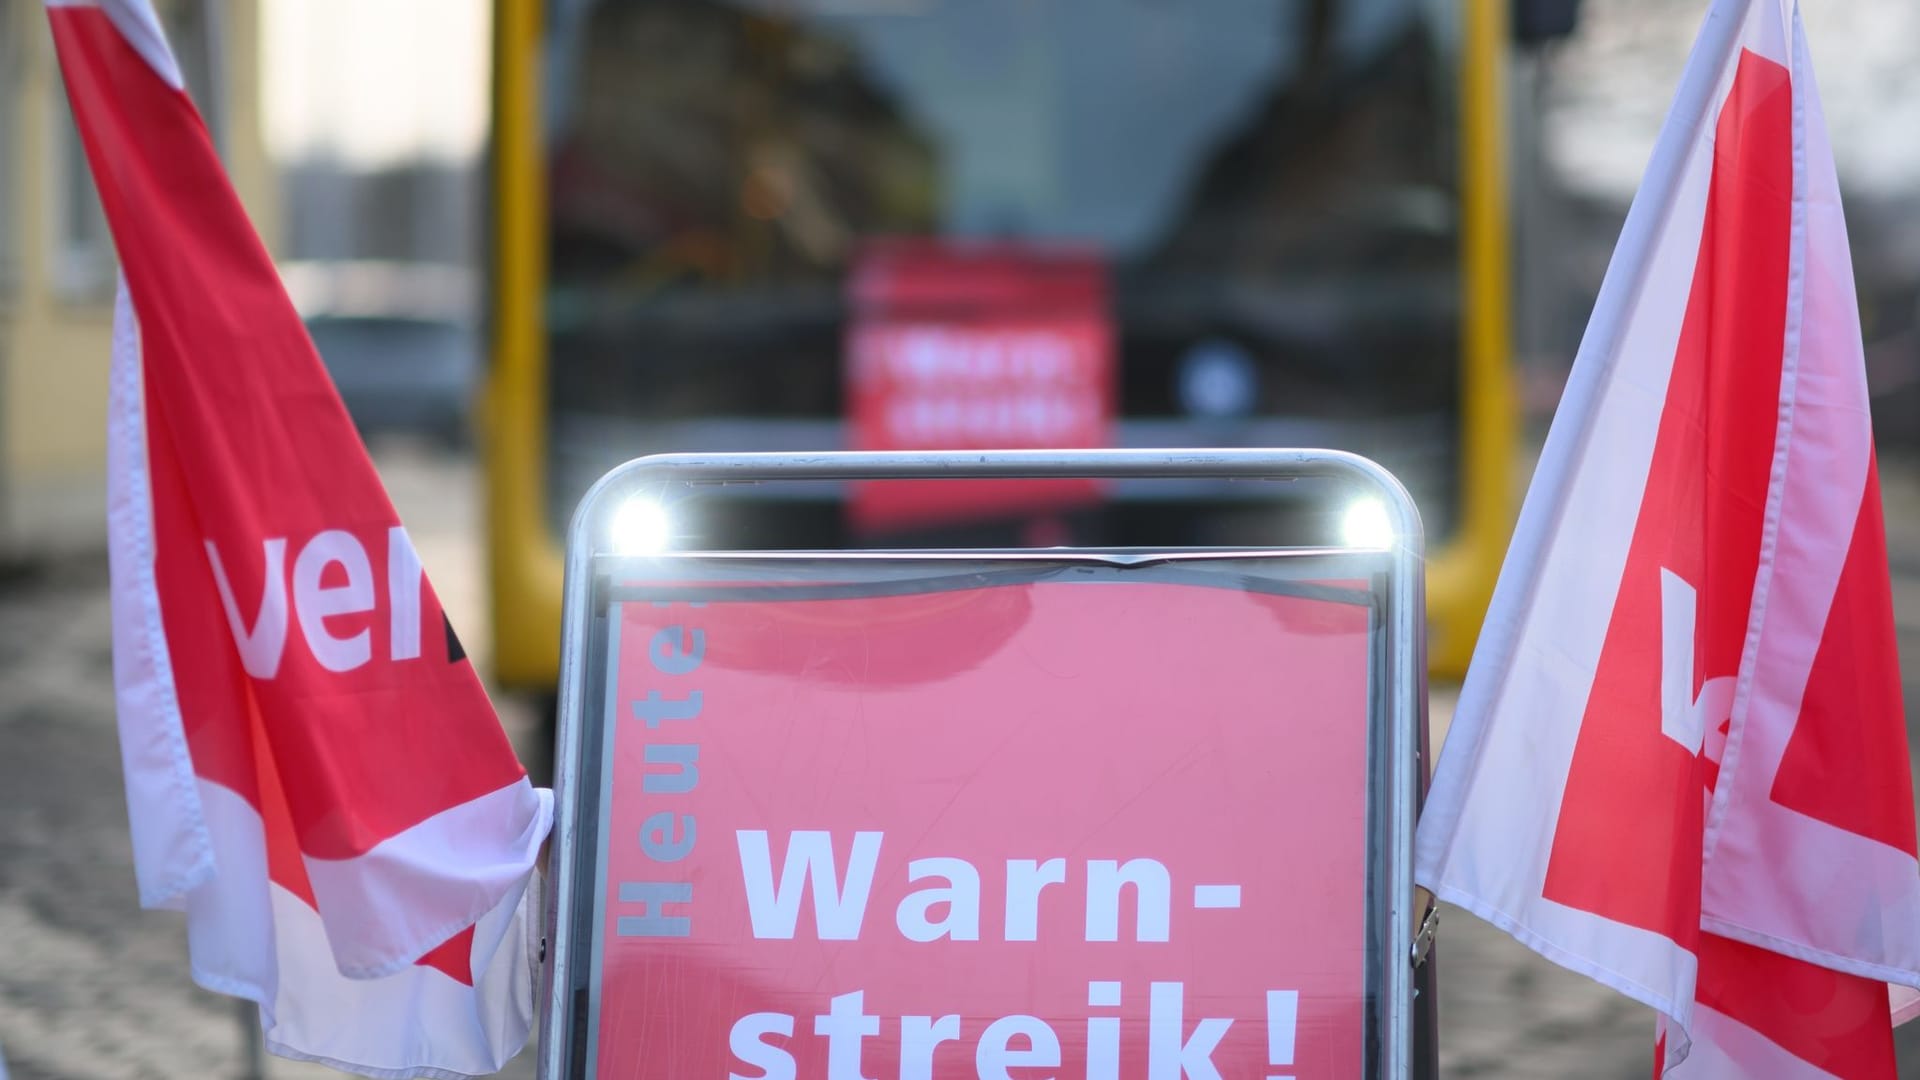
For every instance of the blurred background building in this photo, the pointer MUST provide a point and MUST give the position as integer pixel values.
(377, 135)
(1601, 97)
(355, 130)
(57, 268)
(355, 151)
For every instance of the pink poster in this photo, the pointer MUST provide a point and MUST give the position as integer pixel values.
(976, 348)
(1046, 829)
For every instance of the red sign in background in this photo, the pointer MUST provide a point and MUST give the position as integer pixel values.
(976, 348)
(1046, 829)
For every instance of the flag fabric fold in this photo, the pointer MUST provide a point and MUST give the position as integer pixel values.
(314, 773)
(1680, 752)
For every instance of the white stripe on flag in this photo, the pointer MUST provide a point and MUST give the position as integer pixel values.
(253, 939)
(172, 853)
(140, 25)
(1725, 1049)
(372, 902)
(1903, 1002)
(1814, 869)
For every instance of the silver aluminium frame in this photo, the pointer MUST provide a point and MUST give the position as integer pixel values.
(1405, 690)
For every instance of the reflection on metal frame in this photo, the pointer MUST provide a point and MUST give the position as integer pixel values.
(1405, 1047)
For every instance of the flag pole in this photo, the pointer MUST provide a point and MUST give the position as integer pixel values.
(253, 1061)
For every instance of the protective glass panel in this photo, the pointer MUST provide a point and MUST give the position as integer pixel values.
(935, 816)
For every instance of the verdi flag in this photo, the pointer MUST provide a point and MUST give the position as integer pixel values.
(314, 773)
(1679, 763)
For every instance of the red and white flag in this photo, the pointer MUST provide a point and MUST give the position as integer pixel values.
(314, 773)
(1679, 763)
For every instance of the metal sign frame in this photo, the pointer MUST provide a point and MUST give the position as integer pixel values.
(1406, 1030)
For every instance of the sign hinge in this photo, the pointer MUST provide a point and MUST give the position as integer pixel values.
(1423, 939)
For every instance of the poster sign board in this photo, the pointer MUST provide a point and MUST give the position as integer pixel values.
(989, 814)
(976, 347)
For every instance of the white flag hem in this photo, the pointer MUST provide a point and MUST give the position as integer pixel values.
(173, 852)
(422, 1072)
(1904, 1002)
(1777, 476)
(426, 867)
(1885, 973)
(250, 991)
(415, 1016)
(251, 938)
(1566, 958)
(1723, 1048)
(140, 25)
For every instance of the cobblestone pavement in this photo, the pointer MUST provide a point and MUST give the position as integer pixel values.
(93, 988)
